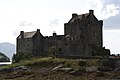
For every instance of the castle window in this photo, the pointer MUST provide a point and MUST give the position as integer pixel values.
(80, 31)
(23, 45)
(27, 45)
(94, 34)
(66, 43)
(60, 50)
(77, 38)
(81, 36)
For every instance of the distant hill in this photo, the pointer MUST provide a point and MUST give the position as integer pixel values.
(8, 49)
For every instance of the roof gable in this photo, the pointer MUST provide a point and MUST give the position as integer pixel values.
(28, 34)
(80, 17)
(86, 16)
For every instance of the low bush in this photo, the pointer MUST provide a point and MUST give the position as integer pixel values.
(82, 62)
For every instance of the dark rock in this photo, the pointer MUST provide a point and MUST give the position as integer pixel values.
(104, 69)
(76, 73)
(117, 69)
(92, 69)
(6, 70)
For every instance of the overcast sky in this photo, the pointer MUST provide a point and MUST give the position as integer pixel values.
(50, 15)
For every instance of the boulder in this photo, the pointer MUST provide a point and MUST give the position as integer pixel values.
(117, 69)
(57, 68)
(61, 68)
(66, 69)
(21, 68)
(92, 69)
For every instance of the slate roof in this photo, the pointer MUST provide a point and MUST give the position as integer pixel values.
(80, 17)
(28, 34)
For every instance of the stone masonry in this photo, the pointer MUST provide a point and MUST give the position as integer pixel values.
(81, 32)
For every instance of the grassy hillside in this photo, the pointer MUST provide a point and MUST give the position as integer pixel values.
(41, 69)
(52, 62)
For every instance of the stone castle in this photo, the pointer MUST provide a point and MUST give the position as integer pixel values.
(81, 32)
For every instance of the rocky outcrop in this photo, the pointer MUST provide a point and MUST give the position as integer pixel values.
(19, 68)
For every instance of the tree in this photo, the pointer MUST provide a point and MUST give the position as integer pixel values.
(15, 58)
(4, 58)
(100, 51)
(52, 50)
(21, 56)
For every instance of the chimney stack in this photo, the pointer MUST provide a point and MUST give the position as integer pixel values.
(22, 34)
(54, 34)
(91, 11)
(74, 15)
(38, 30)
(101, 23)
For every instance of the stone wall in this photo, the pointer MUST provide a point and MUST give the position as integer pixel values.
(25, 45)
(37, 44)
(82, 35)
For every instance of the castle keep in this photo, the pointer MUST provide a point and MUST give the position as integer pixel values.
(81, 32)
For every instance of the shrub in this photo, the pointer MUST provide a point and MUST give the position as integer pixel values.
(21, 56)
(105, 62)
(52, 50)
(100, 51)
(93, 62)
(82, 63)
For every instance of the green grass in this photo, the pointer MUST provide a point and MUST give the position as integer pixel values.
(52, 62)
(40, 69)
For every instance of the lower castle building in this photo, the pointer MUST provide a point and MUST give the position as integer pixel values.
(81, 32)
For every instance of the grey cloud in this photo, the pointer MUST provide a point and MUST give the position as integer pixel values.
(105, 9)
(116, 2)
(54, 23)
(25, 23)
(110, 10)
(15, 33)
(112, 22)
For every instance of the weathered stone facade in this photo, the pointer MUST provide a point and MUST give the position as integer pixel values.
(81, 33)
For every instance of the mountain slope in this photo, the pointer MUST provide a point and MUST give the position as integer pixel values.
(7, 48)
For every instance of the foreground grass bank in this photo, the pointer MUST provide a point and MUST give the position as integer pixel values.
(41, 69)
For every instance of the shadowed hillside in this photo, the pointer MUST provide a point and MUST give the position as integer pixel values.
(7, 48)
